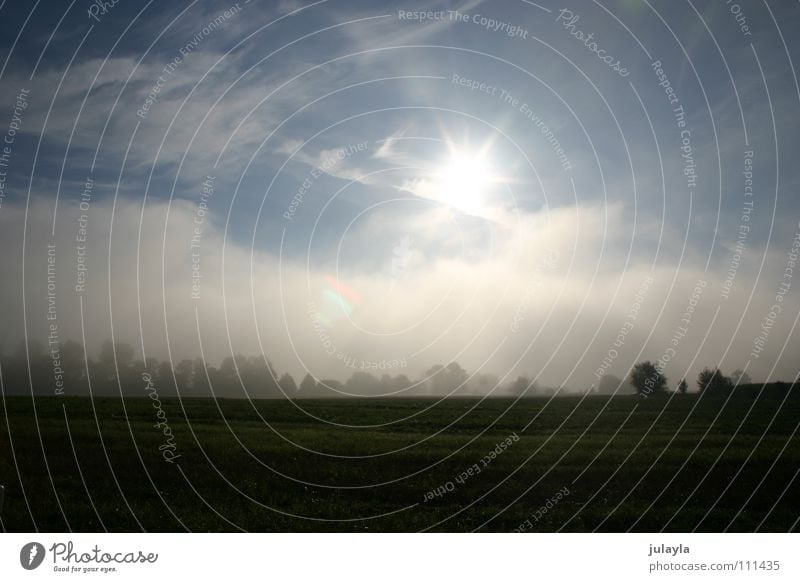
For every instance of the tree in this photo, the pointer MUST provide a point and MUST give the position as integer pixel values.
(227, 370)
(704, 379)
(114, 360)
(445, 380)
(362, 384)
(25, 373)
(74, 364)
(287, 384)
(647, 379)
(397, 385)
(456, 373)
(433, 377)
(184, 374)
(165, 380)
(308, 387)
(740, 378)
(713, 382)
(483, 383)
(239, 375)
(683, 387)
(522, 386)
(258, 376)
(401, 382)
(200, 376)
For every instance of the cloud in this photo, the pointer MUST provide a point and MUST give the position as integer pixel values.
(400, 266)
(543, 300)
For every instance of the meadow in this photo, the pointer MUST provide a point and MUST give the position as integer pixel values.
(672, 463)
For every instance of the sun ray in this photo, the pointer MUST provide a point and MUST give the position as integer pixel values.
(464, 180)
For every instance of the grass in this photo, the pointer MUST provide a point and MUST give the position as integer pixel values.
(677, 464)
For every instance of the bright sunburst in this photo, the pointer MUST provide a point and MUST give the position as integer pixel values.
(464, 181)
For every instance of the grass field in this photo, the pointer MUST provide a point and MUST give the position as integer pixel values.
(677, 464)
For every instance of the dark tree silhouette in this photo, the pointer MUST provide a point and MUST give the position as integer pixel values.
(647, 379)
(74, 364)
(362, 383)
(308, 387)
(43, 369)
(163, 373)
(396, 385)
(522, 386)
(713, 382)
(184, 375)
(287, 385)
(445, 380)
(113, 361)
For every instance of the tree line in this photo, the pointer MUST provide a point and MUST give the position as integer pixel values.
(36, 368)
(647, 378)
(67, 370)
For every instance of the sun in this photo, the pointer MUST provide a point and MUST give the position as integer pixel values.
(464, 181)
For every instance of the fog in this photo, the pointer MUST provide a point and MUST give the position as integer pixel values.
(556, 298)
(377, 199)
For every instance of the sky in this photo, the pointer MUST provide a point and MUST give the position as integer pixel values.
(558, 190)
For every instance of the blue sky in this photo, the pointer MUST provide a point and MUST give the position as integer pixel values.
(432, 196)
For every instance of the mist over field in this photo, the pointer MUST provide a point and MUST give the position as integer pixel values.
(284, 203)
(405, 202)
